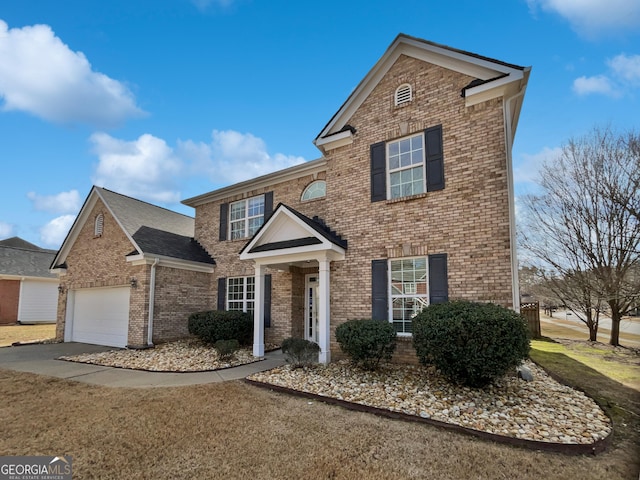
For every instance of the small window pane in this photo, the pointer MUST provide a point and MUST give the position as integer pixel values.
(405, 145)
(394, 148)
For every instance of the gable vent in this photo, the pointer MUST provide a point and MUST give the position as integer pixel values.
(98, 225)
(403, 94)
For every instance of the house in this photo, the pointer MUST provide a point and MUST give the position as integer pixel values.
(130, 273)
(411, 203)
(28, 290)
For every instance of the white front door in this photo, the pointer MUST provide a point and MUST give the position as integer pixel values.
(311, 308)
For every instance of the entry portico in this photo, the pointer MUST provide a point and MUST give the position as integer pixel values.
(289, 238)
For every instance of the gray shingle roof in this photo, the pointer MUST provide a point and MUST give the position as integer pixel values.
(21, 258)
(134, 214)
(167, 244)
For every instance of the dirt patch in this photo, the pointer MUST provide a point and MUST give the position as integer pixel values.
(10, 334)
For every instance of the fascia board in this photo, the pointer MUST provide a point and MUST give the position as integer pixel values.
(28, 277)
(264, 181)
(334, 141)
(457, 61)
(163, 261)
(495, 89)
(297, 254)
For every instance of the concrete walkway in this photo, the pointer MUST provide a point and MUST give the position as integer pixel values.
(41, 359)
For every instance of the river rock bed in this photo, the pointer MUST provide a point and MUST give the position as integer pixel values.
(542, 410)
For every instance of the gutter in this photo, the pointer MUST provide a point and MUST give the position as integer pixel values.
(152, 296)
(515, 284)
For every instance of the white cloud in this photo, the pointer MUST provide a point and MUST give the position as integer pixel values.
(233, 157)
(63, 202)
(6, 230)
(593, 17)
(41, 75)
(526, 169)
(626, 68)
(54, 232)
(623, 75)
(596, 84)
(145, 168)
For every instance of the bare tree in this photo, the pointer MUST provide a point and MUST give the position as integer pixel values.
(582, 227)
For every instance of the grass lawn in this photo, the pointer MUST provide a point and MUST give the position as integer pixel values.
(233, 430)
(26, 333)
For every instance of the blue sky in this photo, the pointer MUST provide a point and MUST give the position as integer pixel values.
(167, 99)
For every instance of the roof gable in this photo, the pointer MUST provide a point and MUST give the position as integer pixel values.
(495, 78)
(287, 231)
(137, 219)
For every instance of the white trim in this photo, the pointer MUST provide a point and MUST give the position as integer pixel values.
(467, 64)
(149, 259)
(401, 169)
(335, 140)
(403, 94)
(269, 180)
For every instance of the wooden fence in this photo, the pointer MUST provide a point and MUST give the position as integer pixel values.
(531, 312)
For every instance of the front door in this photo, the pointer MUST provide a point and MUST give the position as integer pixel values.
(311, 308)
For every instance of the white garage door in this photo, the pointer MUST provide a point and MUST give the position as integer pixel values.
(38, 301)
(101, 316)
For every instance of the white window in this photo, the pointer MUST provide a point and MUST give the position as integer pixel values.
(403, 94)
(405, 162)
(246, 217)
(317, 189)
(98, 225)
(409, 291)
(241, 294)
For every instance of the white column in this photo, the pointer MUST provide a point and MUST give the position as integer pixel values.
(258, 314)
(324, 332)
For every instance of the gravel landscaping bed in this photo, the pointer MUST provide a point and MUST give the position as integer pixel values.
(179, 356)
(540, 410)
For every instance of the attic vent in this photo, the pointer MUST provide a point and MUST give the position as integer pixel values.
(403, 94)
(98, 225)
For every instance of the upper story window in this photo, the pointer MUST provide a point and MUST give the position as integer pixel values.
(246, 217)
(403, 95)
(317, 189)
(405, 158)
(98, 225)
(408, 166)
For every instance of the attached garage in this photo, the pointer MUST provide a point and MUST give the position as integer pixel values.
(100, 316)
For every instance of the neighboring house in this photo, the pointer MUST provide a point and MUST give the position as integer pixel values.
(130, 273)
(28, 290)
(410, 204)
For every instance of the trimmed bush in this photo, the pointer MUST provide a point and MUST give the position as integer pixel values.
(470, 343)
(217, 325)
(226, 348)
(300, 352)
(367, 342)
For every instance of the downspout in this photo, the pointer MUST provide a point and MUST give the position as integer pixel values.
(515, 284)
(152, 295)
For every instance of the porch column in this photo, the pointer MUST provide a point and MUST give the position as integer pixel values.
(258, 313)
(324, 332)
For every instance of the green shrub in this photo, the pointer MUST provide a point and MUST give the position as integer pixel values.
(226, 348)
(367, 342)
(217, 325)
(470, 343)
(300, 352)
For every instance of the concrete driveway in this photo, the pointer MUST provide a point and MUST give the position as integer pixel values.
(41, 359)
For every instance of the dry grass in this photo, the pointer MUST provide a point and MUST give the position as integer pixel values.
(26, 333)
(233, 430)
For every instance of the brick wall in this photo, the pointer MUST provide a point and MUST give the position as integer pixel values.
(9, 297)
(468, 220)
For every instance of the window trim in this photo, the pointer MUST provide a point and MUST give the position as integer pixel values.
(389, 171)
(391, 295)
(308, 188)
(246, 217)
(245, 300)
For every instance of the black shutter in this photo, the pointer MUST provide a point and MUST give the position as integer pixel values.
(379, 291)
(438, 283)
(224, 218)
(267, 301)
(268, 205)
(378, 172)
(435, 158)
(222, 293)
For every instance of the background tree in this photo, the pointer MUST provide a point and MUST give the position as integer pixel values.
(582, 227)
